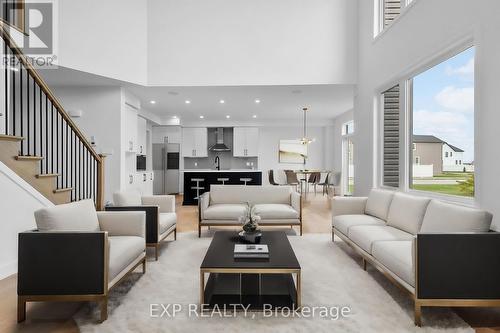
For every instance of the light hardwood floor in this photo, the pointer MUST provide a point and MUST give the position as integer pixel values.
(57, 317)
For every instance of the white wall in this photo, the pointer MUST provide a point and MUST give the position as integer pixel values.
(258, 42)
(101, 118)
(18, 201)
(269, 138)
(107, 38)
(413, 40)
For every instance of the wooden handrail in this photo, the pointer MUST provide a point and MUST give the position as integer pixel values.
(45, 88)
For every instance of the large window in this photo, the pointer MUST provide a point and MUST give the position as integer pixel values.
(442, 118)
(427, 143)
(347, 158)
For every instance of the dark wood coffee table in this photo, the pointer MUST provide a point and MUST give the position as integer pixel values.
(250, 282)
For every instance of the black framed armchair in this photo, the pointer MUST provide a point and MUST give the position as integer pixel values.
(161, 219)
(78, 254)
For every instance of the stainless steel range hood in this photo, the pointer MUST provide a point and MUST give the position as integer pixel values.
(219, 145)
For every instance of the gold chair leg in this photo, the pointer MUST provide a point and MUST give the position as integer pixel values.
(21, 309)
(418, 314)
(175, 234)
(144, 266)
(199, 230)
(104, 309)
(364, 264)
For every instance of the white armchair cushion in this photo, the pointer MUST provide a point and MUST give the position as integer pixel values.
(123, 223)
(130, 198)
(378, 203)
(446, 217)
(167, 221)
(397, 257)
(122, 251)
(75, 216)
(296, 201)
(348, 205)
(165, 202)
(366, 235)
(224, 212)
(407, 212)
(275, 211)
(344, 222)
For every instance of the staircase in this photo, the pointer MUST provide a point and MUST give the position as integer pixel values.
(38, 139)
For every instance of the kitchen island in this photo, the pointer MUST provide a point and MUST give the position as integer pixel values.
(210, 177)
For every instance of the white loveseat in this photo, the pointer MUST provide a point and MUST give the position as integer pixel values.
(422, 245)
(78, 254)
(224, 204)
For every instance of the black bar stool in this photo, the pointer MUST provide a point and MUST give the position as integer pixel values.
(223, 180)
(245, 180)
(197, 187)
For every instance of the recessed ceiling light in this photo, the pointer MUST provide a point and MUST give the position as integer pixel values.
(187, 102)
(201, 117)
(152, 102)
(228, 116)
(222, 101)
(254, 116)
(175, 117)
(257, 101)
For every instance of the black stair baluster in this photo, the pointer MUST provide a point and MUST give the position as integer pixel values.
(57, 149)
(28, 136)
(46, 134)
(52, 137)
(41, 125)
(66, 157)
(34, 117)
(79, 170)
(6, 130)
(21, 105)
(13, 115)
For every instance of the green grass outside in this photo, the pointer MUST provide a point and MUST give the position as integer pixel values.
(438, 188)
(454, 175)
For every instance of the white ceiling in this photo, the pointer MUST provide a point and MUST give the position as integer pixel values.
(279, 105)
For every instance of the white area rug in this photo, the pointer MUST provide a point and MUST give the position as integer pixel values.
(331, 273)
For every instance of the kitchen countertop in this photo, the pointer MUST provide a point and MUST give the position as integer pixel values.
(222, 170)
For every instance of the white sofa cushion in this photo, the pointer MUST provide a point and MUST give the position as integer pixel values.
(378, 203)
(407, 212)
(75, 216)
(344, 222)
(130, 198)
(275, 211)
(122, 251)
(167, 221)
(397, 257)
(366, 235)
(239, 194)
(446, 217)
(224, 212)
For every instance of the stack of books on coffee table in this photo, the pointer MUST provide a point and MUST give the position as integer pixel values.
(251, 251)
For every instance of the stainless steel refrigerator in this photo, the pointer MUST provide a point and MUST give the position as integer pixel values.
(166, 158)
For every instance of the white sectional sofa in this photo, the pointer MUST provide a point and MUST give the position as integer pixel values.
(224, 204)
(422, 244)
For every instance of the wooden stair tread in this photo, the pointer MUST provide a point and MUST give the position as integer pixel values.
(10, 137)
(61, 190)
(47, 175)
(29, 158)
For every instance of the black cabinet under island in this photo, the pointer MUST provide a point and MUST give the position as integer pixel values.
(211, 177)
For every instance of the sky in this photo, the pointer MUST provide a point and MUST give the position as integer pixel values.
(443, 102)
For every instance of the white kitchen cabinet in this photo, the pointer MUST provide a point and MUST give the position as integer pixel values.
(194, 142)
(141, 136)
(245, 142)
